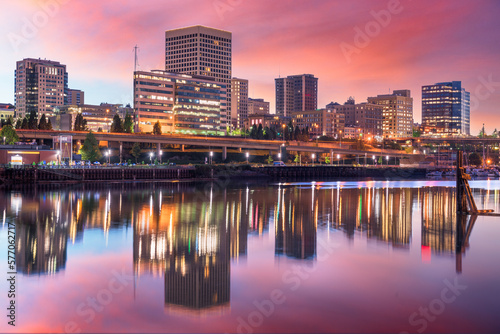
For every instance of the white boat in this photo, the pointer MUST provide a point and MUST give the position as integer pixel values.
(436, 173)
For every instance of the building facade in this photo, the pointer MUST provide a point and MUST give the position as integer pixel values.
(40, 86)
(99, 117)
(182, 103)
(321, 122)
(296, 93)
(257, 106)
(367, 116)
(446, 108)
(239, 102)
(270, 121)
(200, 50)
(398, 113)
(7, 110)
(75, 97)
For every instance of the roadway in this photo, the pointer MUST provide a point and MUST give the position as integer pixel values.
(212, 142)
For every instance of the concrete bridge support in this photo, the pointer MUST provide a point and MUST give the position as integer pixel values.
(224, 153)
(121, 151)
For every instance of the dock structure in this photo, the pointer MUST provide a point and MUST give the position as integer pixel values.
(465, 201)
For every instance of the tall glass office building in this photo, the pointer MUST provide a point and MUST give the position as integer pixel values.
(446, 109)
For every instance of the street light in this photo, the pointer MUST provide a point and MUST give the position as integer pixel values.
(247, 155)
(387, 158)
(338, 159)
(58, 153)
(107, 153)
(211, 155)
(340, 138)
(4, 140)
(373, 157)
(279, 156)
(151, 157)
(284, 126)
(161, 153)
(313, 156)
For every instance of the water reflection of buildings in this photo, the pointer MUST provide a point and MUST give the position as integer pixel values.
(380, 213)
(296, 216)
(439, 219)
(46, 220)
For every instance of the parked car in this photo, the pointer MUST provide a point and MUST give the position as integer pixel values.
(97, 163)
(279, 164)
(172, 164)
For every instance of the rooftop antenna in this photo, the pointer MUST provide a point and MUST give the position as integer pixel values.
(136, 61)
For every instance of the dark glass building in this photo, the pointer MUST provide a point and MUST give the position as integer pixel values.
(446, 109)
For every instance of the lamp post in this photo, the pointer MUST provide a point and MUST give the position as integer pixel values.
(4, 140)
(338, 159)
(58, 153)
(211, 155)
(247, 155)
(151, 157)
(161, 153)
(279, 156)
(313, 156)
(387, 158)
(284, 126)
(340, 138)
(373, 157)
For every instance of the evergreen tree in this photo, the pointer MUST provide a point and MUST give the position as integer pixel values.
(128, 124)
(157, 128)
(10, 135)
(49, 125)
(33, 121)
(80, 123)
(90, 148)
(253, 132)
(136, 151)
(19, 123)
(42, 125)
(117, 125)
(296, 134)
(24, 125)
(260, 132)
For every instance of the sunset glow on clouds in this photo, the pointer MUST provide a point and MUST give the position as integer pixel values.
(420, 43)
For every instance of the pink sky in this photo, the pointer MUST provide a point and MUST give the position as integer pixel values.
(420, 43)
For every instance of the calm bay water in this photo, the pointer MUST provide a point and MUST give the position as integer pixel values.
(290, 257)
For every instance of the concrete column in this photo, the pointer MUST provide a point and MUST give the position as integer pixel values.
(331, 157)
(121, 151)
(158, 150)
(224, 153)
(182, 148)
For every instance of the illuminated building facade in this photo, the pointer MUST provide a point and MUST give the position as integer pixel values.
(397, 113)
(182, 103)
(296, 93)
(199, 50)
(367, 116)
(40, 85)
(239, 102)
(257, 106)
(446, 109)
(321, 122)
(98, 117)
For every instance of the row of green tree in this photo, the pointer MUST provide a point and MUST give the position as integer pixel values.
(289, 132)
(30, 122)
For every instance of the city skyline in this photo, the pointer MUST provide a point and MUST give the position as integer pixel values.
(305, 39)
